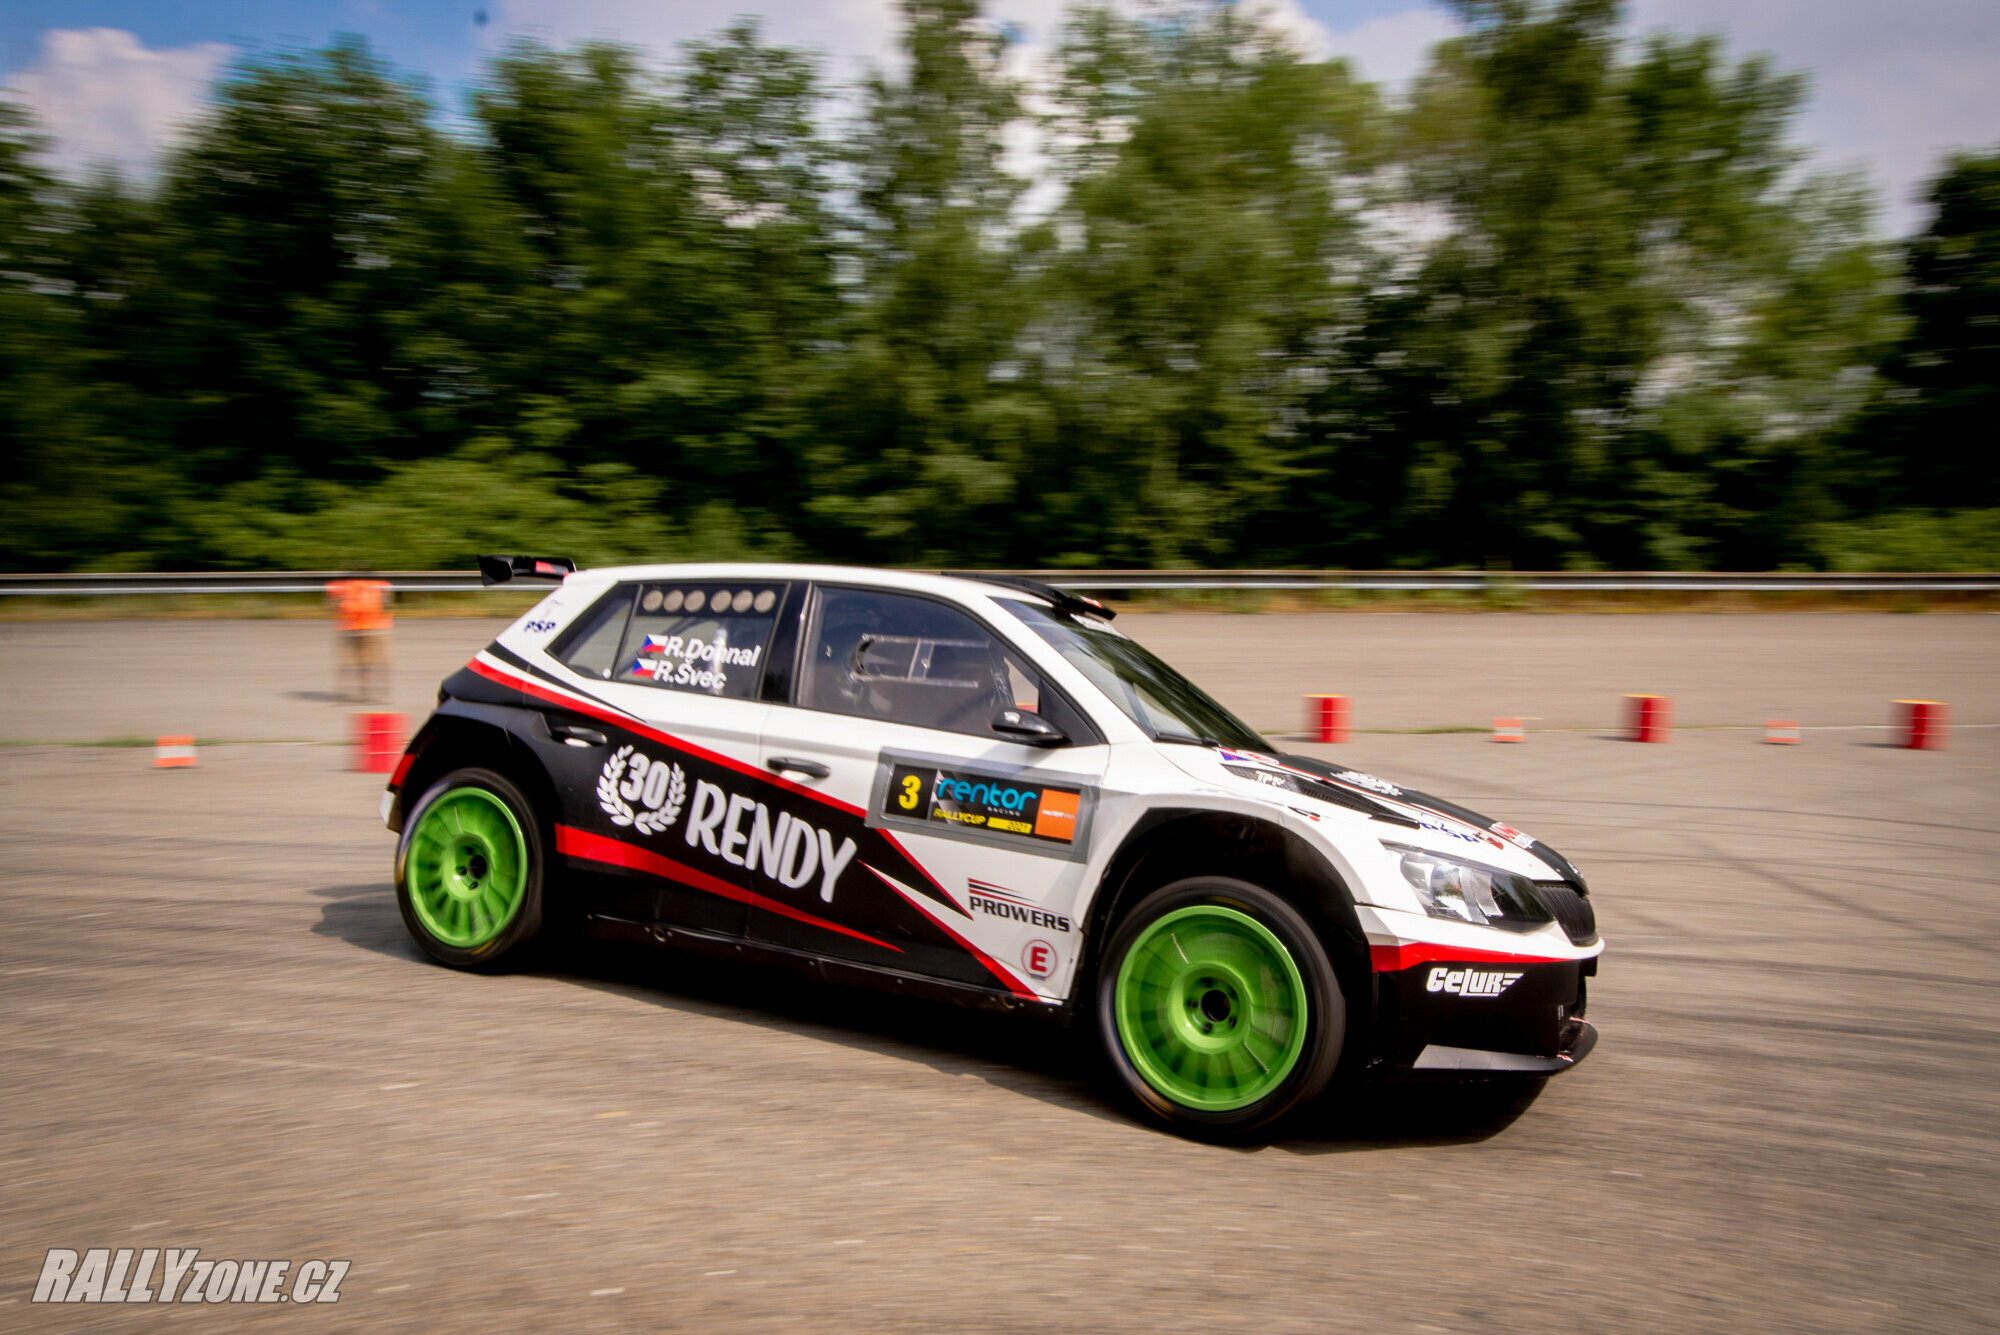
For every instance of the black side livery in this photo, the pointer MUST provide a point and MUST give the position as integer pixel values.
(644, 807)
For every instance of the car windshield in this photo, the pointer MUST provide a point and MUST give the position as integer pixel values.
(1152, 695)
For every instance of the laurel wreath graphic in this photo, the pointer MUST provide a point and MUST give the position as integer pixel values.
(648, 820)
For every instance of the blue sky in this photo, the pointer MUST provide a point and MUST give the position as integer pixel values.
(1897, 82)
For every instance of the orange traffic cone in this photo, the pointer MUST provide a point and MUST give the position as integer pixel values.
(173, 752)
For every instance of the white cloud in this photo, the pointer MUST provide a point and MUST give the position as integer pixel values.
(1894, 86)
(850, 33)
(1392, 49)
(104, 98)
(1305, 34)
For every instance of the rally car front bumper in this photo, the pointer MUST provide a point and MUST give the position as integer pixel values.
(1457, 1018)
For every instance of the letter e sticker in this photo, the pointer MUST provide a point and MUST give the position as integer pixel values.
(1038, 958)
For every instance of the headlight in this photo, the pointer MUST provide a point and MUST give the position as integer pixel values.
(1469, 892)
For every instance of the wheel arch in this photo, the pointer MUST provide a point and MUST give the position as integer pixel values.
(452, 740)
(1173, 844)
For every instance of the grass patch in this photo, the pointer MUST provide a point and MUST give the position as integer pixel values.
(1424, 732)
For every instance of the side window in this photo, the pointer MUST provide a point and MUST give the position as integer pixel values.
(909, 660)
(705, 637)
(590, 645)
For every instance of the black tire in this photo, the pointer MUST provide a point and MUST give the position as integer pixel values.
(1325, 1010)
(515, 942)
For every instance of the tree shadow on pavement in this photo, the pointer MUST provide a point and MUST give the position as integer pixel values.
(1029, 1056)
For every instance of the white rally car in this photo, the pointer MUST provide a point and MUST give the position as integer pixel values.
(973, 787)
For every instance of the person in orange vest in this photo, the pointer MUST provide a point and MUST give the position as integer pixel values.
(363, 606)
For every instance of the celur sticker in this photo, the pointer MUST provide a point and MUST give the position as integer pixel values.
(1471, 982)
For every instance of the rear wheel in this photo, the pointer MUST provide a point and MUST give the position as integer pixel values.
(470, 871)
(1217, 1007)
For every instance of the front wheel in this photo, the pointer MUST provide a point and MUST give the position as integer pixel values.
(470, 871)
(1218, 1009)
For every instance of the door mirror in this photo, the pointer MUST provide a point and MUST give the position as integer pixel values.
(1018, 725)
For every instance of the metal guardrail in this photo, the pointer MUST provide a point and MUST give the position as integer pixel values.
(1101, 581)
(235, 581)
(1530, 581)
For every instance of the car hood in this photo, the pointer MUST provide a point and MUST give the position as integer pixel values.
(1390, 804)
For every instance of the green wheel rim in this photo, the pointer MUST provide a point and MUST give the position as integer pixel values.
(467, 869)
(1211, 1008)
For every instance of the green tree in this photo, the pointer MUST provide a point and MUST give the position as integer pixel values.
(1936, 431)
(679, 259)
(305, 249)
(1610, 227)
(918, 456)
(1199, 277)
(1569, 303)
(45, 450)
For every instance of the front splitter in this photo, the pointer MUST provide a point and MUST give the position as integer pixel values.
(1579, 1037)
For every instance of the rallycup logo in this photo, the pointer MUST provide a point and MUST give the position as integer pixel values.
(1470, 982)
(656, 785)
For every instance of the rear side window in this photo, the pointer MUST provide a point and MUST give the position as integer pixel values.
(709, 638)
(590, 645)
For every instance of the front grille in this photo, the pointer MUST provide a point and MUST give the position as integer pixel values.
(1573, 911)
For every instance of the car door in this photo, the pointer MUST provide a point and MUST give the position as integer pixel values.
(944, 849)
(686, 659)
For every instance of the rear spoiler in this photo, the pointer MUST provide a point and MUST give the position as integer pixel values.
(1063, 599)
(504, 569)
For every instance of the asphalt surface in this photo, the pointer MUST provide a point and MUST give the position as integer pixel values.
(214, 1034)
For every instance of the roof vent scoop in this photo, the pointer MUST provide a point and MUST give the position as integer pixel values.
(506, 569)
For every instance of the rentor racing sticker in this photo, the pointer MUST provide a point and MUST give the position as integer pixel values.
(1020, 809)
(924, 792)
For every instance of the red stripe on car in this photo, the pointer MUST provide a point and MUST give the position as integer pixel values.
(1391, 959)
(1014, 985)
(575, 843)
